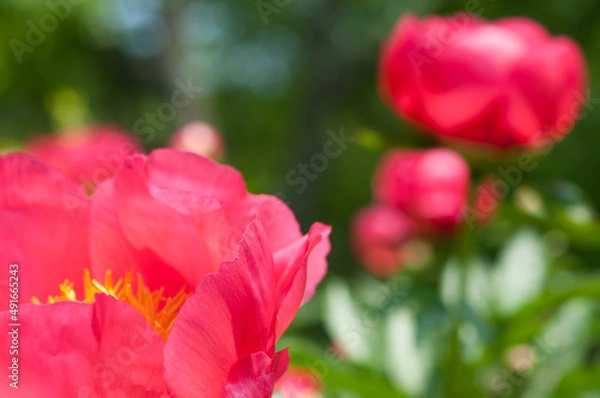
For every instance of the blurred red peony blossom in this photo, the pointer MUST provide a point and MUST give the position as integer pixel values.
(88, 155)
(378, 234)
(201, 278)
(486, 202)
(503, 84)
(431, 186)
(299, 382)
(199, 138)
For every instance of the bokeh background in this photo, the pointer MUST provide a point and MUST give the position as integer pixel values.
(276, 77)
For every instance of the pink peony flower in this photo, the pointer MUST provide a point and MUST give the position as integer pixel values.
(88, 155)
(200, 279)
(378, 233)
(430, 186)
(199, 138)
(503, 84)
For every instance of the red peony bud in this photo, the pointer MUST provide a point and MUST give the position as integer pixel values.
(502, 84)
(378, 233)
(430, 186)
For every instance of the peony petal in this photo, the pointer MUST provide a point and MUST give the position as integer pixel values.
(230, 316)
(88, 155)
(467, 72)
(285, 238)
(300, 268)
(201, 176)
(71, 349)
(547, 92)
(534, 33)
(401, 60)
(252, 376)
(111, 251)
(151, 225)
(277, 219)
(319, 249)
(43, 227)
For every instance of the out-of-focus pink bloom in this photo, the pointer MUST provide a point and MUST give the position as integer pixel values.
(221, 274)
(199, 138)
(299, 382)
(486, 202)
(503, 84)
(88, 155)
(337, 350)
(378, 233)
(430, 186)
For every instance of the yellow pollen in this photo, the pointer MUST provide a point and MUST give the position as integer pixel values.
(160, 312)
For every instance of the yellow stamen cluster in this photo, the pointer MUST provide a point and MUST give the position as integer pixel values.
(160, 312)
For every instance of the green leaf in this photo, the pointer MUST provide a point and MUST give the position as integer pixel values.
(346, 324)
(341, 379)
(451, 284)
(527, 323)
(520, 273)
(410, 353)
(561, 347)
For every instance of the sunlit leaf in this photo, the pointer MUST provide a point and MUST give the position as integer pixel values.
(520, 272)
(345, 323)
(561, 347)
(409, 355)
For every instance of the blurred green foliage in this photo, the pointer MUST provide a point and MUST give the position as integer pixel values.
(275, 81)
